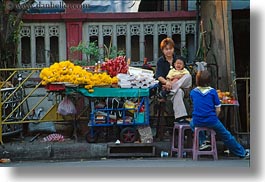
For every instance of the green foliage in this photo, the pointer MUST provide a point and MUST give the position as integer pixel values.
(17, 32)
(10, 26)
(112, 52)
(80, 62)
(91, 50)
(205, 42)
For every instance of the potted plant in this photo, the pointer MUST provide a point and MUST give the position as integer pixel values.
(91, 50)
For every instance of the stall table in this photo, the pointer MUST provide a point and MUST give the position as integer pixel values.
(230, 116)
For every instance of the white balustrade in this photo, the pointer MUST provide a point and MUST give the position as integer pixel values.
(128, 31)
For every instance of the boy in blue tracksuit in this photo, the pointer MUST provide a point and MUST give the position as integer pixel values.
(206, 108)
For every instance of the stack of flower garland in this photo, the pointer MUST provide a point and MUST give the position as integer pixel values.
(66, 71)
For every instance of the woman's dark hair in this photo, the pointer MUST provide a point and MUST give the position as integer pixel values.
(183, 59)
(203, 78)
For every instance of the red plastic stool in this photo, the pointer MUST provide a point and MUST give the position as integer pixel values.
(181, 136)
(196, 149)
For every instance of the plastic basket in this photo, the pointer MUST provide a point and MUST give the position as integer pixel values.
(55, 87)
(139, 117)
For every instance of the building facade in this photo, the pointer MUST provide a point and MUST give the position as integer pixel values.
(46, 38)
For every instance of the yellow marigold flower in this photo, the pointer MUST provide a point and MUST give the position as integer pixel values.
(88, 86)
(44, 72)
(55, 66)
(44, 82)
(115, 80)
(91, 90)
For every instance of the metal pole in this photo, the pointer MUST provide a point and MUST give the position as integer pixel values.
(247, 106)
(1, 140)
(197, 34)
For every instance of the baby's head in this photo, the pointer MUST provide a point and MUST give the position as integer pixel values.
(179, 63)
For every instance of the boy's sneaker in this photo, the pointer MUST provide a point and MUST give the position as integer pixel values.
(247, 154)
(205, 146)
(206, 142)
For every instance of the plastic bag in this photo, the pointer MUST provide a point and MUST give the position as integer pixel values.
(146, 135)
(66, 107)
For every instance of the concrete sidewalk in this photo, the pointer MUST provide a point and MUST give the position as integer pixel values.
(24, 150)
(68, 149)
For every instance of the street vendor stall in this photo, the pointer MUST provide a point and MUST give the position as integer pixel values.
(125, 106)
(125, 116)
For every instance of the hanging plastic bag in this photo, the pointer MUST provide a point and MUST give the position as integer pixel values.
(130, 105)
(66, 107)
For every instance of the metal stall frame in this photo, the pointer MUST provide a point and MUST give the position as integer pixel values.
(9, 118)
(234, 88)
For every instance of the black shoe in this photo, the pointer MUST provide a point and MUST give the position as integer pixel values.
(182, 121)
(161, 98)
(162, 94)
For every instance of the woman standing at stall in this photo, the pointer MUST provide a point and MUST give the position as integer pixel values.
(164, 64)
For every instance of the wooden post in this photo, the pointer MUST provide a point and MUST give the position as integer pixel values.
(222, 44)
